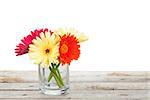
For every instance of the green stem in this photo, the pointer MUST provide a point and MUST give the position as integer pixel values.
(56, 68)
(57, 81)
(54, 72)
(60, 78)
(56, 77)
(57, 71)
(50, 76)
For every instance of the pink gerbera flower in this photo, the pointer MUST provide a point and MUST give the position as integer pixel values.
(22, 48)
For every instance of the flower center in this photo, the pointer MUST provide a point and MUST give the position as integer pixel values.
(64, 48)
(47, 51)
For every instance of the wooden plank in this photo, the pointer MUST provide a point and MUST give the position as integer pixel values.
(80, 86)
(86, 95)
(21, 77)
(84, 86)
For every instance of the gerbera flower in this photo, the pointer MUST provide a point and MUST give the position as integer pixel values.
(69, 49)
(45, 49)
(22, 48)
(80, 36)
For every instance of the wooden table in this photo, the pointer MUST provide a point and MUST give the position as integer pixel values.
(83, 86)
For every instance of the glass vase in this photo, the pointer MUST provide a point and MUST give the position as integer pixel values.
(54, 80)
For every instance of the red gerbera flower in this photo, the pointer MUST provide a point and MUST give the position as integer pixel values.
(69, 49)
(22, 48)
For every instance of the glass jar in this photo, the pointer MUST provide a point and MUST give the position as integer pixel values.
(54, 80)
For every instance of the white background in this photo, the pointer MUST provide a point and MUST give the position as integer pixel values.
(118, 30)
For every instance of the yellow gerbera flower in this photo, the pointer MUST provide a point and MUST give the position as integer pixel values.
(45, 49)
(80, 36)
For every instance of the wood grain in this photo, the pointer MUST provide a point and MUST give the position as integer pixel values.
(15, 85)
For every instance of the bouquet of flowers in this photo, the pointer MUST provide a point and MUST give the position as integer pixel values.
(51, 49)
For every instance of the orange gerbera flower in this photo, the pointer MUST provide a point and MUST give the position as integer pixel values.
(69, 49)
